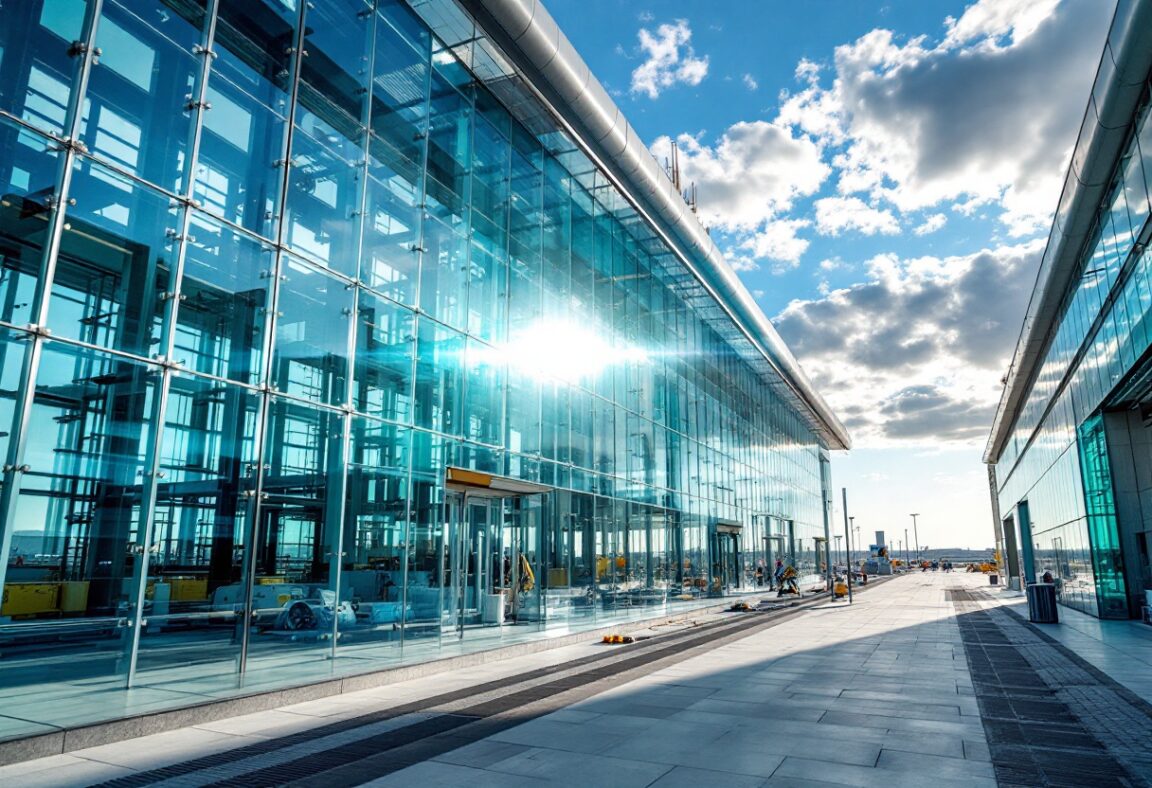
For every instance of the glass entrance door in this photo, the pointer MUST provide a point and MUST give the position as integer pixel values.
(726, 561)
(490, 562)
(468, 557)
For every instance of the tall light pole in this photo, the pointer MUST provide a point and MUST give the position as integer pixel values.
(852, 526)
(916, 534)
(907, 547)
(836, 558)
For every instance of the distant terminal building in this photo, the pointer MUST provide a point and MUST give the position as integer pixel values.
(346, 334)
(1070, 453)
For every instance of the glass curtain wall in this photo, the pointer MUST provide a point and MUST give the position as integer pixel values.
(269, 269)
(1056, 458)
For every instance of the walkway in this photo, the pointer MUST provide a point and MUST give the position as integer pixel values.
(879, 693)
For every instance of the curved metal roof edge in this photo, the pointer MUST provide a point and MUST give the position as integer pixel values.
(1104, 129)
(632, 163)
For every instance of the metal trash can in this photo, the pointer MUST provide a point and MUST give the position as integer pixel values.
(993, 579)
(1042, 603)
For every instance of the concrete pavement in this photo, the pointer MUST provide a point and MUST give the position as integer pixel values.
(879, 693)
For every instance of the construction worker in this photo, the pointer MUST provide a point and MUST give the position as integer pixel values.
(788, 582)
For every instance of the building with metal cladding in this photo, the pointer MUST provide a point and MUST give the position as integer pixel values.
(351, 333)
(1070, 452)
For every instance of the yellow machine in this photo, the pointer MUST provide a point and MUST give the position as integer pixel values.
(26, 600)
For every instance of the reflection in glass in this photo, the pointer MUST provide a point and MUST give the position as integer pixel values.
(310, 355)
(114, 272)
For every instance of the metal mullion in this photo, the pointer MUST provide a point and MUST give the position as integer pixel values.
(406, 545)
(341, 510)
(72, 123)
(147, 516)
(290, 127)
(361, 211)
(13, 467)
(253, 508)
(199, 106)
(422, 186)
(198, 102)
(417, 317)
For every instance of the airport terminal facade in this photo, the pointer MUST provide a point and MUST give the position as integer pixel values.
(340, 334)
(1071, 449)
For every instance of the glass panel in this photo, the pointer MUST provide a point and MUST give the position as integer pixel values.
(29, 172)
(399, 93)
(224, 298)
(439, 377)
(449, 149)
(78, 521)
(384, 344)
(444, 273)
(375, 529)
(425, 572)
(253, 49)
(388, 258)
(136, 110)
(310, 355)
(36, 61)
(333, 78)
(239, 171)
(116, 258)
(487, 294)
(324, 199)
(202, 527)
(298, 543)
(484, 397)
(1099, 501)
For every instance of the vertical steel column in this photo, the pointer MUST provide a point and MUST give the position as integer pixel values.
(14, 466)
(267, 389)
(147, 512)
(418, 251)
(848, 538)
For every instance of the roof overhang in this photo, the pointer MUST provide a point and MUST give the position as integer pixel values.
(1116, 93)
(530, 39)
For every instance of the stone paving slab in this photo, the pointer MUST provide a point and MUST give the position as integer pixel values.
(882, 693)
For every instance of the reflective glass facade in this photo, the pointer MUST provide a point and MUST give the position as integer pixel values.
(271, 272)
(1057, 459)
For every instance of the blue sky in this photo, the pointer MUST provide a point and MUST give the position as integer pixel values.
(882, 175)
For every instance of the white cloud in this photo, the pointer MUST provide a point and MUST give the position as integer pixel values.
(670, 60)
(750, 82)
(931, 224)
(985, 117)
(752, 173)
(992, 19)
(778, 241)
(914, 354)
(834, 215)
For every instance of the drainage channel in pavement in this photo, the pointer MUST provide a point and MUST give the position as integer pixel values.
(382, 742)
(1048, 719)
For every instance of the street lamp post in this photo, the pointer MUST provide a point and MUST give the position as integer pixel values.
(907, 546)
(836, 558)
(852, 525)
(916, 534)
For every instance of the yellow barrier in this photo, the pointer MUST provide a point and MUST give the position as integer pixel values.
(30, 599)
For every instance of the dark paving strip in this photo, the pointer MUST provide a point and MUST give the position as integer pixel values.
(642, 652)
(1128, 695)
(1034, 737)
(503, 713)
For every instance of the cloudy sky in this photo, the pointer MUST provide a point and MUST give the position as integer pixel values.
(883, 176)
